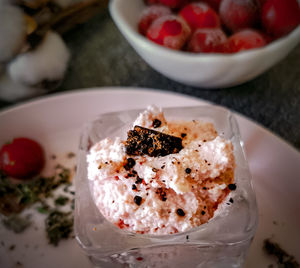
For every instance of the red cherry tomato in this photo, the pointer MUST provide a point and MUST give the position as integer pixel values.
(244, 40)
(280, 17)
(22, 159)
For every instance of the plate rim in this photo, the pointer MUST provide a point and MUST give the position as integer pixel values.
(124, 89)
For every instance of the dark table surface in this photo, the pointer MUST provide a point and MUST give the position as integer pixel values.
(102, 57)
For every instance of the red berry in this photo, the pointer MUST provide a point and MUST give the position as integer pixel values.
(279, 17)
(261, 2)
(169, 31)
(200, 15)
(213, 3)
(22, 159)
(244, 40)
(239, 14)
(207, 40)
(174, 3)
(150, 14)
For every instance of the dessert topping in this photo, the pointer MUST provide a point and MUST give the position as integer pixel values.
(188, 170)
(180, 212)
(156, 123)
(141, 141)
(130, 163)
(232, 186)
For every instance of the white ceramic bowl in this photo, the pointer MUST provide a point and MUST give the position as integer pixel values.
(205, 70)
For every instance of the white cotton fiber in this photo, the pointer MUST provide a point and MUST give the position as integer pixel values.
(47, 62)
(12, 91)
(12, 31)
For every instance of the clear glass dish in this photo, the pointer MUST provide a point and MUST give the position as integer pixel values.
(222, 242)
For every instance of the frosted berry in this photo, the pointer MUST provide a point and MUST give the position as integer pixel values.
(244, 40)
(200, 15)
(169, 31)
(207, 40)
(239, 14)
(215, 4)
(280, 17)
(174, 3)
(150, 14)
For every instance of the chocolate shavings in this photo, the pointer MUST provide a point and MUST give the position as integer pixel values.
(144, 141)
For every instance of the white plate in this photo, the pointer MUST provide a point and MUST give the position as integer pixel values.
(56, 122)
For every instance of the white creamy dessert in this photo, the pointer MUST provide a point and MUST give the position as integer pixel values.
(166, 193)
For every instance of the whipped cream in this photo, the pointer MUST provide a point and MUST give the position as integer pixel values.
(165, 194)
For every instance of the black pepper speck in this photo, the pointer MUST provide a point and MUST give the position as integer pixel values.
(156, 123)
(188, 170)
(130, 163)
(137, 199)
(180, 212)
(232, 186)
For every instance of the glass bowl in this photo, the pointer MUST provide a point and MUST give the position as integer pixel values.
(222, 242)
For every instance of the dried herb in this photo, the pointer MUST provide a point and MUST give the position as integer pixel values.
(44, 208)
(61, 200)
(15, 197)
(17, 223)
(59, 225)
(284, 260)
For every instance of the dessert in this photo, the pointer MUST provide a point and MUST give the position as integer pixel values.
(166, 177)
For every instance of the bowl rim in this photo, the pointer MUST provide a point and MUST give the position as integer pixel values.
(135, 37)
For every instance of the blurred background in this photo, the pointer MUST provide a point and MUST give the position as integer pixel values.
(99, 56)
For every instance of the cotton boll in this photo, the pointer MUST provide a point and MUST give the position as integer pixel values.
(47, 62)
(12, 31)
(12, 91)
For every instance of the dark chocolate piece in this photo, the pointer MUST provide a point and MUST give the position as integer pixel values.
(144, 141)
